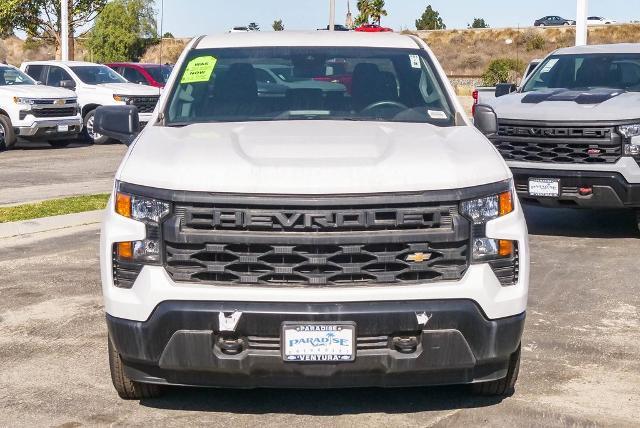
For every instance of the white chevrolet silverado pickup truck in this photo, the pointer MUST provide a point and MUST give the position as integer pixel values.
(571, 134)
(320, 238)
(95, 85)
(31, 111)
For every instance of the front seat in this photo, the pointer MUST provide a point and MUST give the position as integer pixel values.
(366, 77)
(236, 91)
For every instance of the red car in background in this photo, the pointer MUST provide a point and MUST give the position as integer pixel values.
(145, 74)
(373, 28)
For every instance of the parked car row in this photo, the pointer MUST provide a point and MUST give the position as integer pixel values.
(55, 101)
(554, 21)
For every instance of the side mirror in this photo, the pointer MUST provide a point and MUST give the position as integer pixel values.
(121, 123)
(68, 84)
(505, 89)
(38, 82)
(485, 119)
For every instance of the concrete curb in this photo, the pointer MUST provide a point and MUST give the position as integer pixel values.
(48, 224)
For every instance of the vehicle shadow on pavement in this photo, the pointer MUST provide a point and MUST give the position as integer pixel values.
(43, 145)
(581, 223)
(330, 402)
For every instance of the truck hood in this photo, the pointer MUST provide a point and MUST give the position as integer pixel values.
(37, 91)
(304, 158)
(558, 105)
(129, 89)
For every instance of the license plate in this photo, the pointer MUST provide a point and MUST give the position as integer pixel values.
(318, 342)
(544, 187)
(63, 128)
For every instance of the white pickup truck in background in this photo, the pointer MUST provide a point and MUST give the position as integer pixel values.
(34, 112)
(95, 85)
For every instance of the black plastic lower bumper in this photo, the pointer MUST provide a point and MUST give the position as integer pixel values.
(607, 189)
(179, 345)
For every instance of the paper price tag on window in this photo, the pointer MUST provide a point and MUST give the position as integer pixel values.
(549, 65)
(199, 70)
(415, 61)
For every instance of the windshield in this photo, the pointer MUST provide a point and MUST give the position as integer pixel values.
(160, 73)
(284, 83)
(97, 74)
(13, 76)
(588, 71)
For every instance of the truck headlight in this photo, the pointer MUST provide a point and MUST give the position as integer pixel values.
(122, 98)
(24, 101)
(629, 131)
(480, 211)
(149, 211)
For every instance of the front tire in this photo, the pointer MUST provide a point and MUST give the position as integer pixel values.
(6, 132)
(505, 386)
(129, 389)
(88, 131)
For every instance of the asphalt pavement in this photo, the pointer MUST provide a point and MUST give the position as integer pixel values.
(36, 171)
(580, 366)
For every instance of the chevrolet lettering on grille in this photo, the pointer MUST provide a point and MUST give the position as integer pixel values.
(234, 219)
(517, 131)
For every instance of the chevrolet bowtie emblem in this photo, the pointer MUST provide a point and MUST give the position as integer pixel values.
(418, 257)
(59, 102)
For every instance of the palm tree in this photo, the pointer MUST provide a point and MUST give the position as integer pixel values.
(377, 10)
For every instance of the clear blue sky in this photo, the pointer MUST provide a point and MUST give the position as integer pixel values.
(186, 18)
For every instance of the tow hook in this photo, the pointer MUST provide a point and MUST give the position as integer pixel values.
(230, 344)
(405, 345)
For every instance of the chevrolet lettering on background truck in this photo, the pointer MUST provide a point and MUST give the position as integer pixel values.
(316, 238)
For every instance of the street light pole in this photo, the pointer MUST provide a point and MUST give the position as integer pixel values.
(581, 22)
(332, 15)
(64, 30)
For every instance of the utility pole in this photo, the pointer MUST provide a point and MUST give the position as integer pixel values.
(581, 22)
(161, 31)
(64, 30)
(332, 15)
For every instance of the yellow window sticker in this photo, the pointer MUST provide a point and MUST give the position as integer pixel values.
(199, 70)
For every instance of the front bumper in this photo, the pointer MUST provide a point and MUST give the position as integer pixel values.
(178, 344)
(609, 189)
(50, 128)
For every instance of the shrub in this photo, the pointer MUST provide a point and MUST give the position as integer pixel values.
(471, 61)
(502, 70)
(531, 40)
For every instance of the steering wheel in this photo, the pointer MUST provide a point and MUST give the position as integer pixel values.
(379, 104)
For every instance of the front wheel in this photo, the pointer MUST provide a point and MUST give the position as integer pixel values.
(125, 387)
(504, 386)
(6, 133)
(90, 133)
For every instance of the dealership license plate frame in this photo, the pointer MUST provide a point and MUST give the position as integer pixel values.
(553, 183)
(292, 357)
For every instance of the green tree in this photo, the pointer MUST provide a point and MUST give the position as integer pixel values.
(278, 25)
(40, 19)
(365, 9)
(168, 35)
(478, 23)
(123, 30)
(254, 27)
(430, 20)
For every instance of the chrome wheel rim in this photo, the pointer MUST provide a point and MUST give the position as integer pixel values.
(93, 135)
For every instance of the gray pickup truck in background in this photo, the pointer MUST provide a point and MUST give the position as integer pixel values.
(571, 133)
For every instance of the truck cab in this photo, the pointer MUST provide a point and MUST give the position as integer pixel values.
(30, 111)
(320, 238)
(571, 134)
(95, 85)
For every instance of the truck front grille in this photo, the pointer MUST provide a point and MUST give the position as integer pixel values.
(527, 142)
(145, 104)
(54, 112)
(358, 241)
(316, 265)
